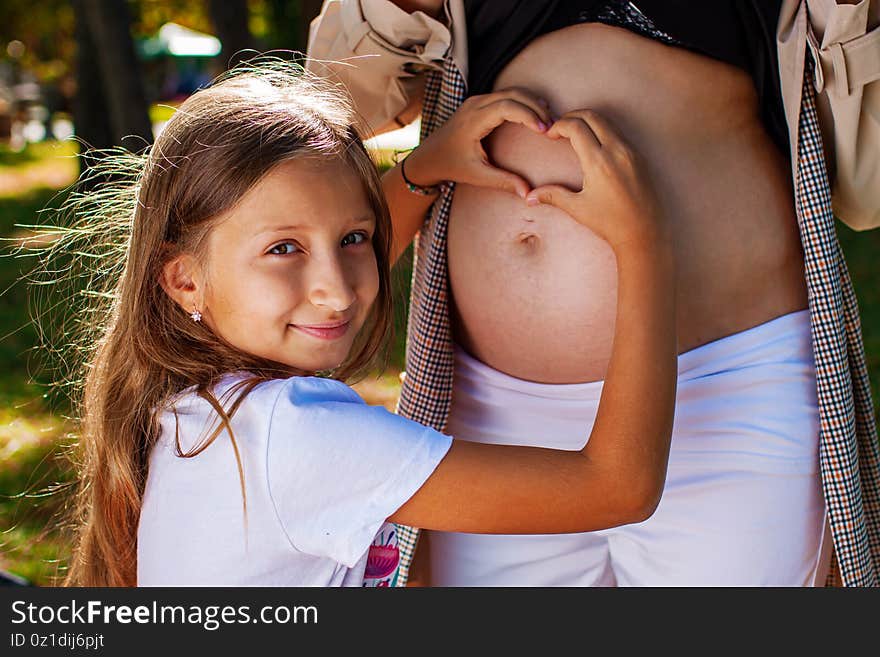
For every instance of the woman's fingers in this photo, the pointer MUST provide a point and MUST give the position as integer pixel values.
(490, 176)
(583, 140)
(538, 105)
(598, 124)
(555, 195)
(506, 109)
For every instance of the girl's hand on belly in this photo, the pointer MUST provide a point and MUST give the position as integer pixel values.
(455, 151)
(615, 201)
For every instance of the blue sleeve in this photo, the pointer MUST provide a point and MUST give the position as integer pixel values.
(337, 468)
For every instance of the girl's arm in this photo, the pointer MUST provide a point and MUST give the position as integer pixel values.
(618, 477)
(454, 153)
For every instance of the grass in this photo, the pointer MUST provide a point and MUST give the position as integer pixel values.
(33, 435)
(17, 332)
(32, 438)
(33, 480)
(861, 251)
(49, 165)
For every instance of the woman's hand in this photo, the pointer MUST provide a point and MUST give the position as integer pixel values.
(455, 152)
(615, 202)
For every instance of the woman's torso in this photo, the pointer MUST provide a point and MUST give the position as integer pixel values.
(534, 293)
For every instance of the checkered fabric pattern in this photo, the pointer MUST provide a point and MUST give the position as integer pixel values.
(848, 452)
(426, 393)
(848, 440)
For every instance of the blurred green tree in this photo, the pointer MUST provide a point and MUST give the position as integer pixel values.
(309, 9)
(83, 49)
(111, 106)
(232, 27)
(284, 24)
(46, 28)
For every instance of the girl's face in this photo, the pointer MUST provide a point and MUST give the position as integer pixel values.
(291, 271)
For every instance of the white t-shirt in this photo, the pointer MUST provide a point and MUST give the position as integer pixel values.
(322, 472)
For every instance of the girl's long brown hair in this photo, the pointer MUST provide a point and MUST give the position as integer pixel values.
(140, 347)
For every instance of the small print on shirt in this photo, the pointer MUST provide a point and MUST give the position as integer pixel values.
(383, 559)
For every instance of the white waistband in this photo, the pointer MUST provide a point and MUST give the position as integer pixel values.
(724, 388)
(785, 338)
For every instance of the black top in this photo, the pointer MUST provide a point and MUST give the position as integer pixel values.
(738, 32)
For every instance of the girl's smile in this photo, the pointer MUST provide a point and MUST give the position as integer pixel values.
(290, 272)
(330, 331)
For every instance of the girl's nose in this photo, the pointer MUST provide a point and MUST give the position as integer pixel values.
(330, 287)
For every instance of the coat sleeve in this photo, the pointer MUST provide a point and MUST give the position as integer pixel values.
(379, 53)
(844, 41)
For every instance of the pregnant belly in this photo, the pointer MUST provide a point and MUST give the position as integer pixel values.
(534, 292)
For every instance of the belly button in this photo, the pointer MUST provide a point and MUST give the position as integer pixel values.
(530, 240)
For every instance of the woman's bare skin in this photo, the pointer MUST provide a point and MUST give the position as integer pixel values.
(534, 292)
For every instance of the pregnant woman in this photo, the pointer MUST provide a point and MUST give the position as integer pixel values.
(513, 307)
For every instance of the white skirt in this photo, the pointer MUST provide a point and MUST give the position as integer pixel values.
(742, 505)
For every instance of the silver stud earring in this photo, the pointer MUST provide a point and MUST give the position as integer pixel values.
(196, 315)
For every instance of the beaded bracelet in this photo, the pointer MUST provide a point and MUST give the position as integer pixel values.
(421, 190)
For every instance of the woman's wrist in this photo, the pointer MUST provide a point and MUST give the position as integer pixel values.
(419, 171)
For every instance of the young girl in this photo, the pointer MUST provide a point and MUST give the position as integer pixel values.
(257, 256)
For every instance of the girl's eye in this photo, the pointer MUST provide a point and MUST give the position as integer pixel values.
(354, 238)
(285, 248)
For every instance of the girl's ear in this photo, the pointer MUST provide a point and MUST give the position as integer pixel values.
(182, 282)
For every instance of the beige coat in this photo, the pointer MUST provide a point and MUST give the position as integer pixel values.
(844, 41)
(379, 53)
